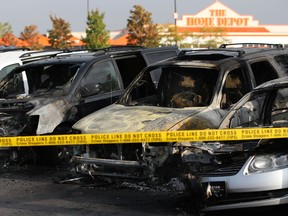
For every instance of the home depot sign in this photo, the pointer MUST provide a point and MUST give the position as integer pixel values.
(217, 15)
(218, 18)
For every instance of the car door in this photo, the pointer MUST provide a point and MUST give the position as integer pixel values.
(100, 87)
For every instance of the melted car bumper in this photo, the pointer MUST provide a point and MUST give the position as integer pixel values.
(272, 198)
(245, 189)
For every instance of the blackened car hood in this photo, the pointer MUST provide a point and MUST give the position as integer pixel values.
(120, 118)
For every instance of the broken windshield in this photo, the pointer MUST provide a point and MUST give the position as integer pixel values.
(39, 80)
(177, 87)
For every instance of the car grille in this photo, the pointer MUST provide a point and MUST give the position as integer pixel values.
(229, 170)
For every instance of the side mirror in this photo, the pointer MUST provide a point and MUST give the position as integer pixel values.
(90, 89)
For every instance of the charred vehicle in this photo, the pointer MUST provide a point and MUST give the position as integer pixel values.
(11, 58)
(243, 174)
(195, 90)
(48, 96)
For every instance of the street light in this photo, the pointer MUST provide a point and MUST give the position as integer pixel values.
(88, 7)
(175, 20)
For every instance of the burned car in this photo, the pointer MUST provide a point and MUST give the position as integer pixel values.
(195, 90)
(49, 96)
(11, 58)
(243, 174)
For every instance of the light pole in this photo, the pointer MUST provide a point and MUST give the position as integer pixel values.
(88, 8)
(175, 20)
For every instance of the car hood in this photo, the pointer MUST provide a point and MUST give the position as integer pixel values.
(120, 118)
(51, 111)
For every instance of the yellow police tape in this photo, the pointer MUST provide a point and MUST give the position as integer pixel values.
(138, 137)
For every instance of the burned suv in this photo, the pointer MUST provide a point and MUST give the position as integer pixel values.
(49, 96)
(194, 91)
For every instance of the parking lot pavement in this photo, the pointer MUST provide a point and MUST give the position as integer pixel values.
(33, 191)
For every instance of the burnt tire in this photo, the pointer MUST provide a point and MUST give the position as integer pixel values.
(171, 168)
(53, 155)
(47, 155)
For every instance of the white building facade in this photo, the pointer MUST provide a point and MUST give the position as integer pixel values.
(238, 28)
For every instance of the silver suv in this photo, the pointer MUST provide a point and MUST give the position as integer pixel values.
(254, 173)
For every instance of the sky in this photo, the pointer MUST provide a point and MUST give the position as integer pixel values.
(21, 13)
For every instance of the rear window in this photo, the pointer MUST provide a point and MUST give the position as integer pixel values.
(282, 61)
(263, 72)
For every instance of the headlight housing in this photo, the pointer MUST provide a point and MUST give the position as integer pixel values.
(268, 163)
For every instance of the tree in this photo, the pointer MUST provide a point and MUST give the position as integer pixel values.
(31, 36)
(211, 37)
(5, 28)
(8, 39)
(141, 30)
(96, 34)
(169, 37)
(6, 35)
(60, 34)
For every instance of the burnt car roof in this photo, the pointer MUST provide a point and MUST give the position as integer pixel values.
(225, 53)
(70, 57)
(214, 57)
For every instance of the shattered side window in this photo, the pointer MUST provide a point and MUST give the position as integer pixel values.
(143, 91)
(235, 87)
(279, 114)
(181, 87)
(100, 79)
(13, 86)
(249, 113)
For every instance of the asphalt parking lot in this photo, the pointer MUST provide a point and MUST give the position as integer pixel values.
(36, 190)
(33, 190)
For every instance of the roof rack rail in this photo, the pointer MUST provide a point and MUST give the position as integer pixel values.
(252, 45)
(29, 54)
(34, 55)
(118, 48)
(73, 50)
(183, 53)
(12, 48)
